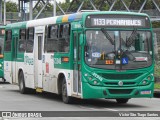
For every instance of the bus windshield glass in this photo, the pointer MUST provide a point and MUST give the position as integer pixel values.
(129, 49)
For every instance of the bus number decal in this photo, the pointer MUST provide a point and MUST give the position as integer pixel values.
(57, 60)
(28, 60)
(97, 76)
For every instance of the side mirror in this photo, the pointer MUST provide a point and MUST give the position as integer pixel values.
(82, 41)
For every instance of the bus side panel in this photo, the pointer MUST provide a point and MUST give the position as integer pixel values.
(7, 71)
(49, 77)
(29, 70)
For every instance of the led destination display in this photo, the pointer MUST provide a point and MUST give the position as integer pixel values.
(117, 21)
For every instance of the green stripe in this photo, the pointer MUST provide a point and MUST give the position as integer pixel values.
(59, 19)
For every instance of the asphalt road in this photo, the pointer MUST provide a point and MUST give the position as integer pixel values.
(12, 100)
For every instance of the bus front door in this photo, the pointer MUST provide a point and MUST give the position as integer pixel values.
(14, 57)
(38, 61)
(77, 64)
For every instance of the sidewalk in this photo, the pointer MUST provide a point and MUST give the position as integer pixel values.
(157, 91)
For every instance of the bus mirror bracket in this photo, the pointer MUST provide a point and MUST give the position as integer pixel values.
(82, 39)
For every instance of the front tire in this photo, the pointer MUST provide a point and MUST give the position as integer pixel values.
(65, 98)
(22, 87)
(4, 80)
(122, 101)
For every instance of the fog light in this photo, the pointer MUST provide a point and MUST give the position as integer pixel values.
(149, 78)
(90, 78)
(86, 74)
(144, 82)
(95, 82)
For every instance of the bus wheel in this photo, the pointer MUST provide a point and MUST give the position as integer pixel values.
(4, 80)
(22, 87)
(122, 101)
(66, 99)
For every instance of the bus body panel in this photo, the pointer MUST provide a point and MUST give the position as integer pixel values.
(43, 68)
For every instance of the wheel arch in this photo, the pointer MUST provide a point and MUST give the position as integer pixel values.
(59, 82)
(19, 71)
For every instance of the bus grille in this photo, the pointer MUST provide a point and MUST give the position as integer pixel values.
(116, 83)
(119, 91)
(120, 76)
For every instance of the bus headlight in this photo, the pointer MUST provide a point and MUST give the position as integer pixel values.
(95, 82)
(144, 82)
(0, 65)
(149, 77)
(90, 78)
(86, 74)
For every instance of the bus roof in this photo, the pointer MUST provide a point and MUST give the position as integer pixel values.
(2, 26)
(65, 19)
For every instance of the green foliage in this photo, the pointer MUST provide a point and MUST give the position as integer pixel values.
(157, 86)
(157, 70)
(156, 24)
(10, 6)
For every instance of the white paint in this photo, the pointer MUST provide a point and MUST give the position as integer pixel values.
(40, 22)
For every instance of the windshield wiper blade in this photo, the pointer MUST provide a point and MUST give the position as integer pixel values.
(130, 40)
(107, 36)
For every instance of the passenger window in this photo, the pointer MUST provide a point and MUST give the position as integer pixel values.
(64, 38)
(51, 42)
(8, 40)
(30, 40)
(22, 40)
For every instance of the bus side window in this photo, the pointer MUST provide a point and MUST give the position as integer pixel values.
(22, 40)
(8, 40)
(30, 40)
(64, 38)
(51, 40)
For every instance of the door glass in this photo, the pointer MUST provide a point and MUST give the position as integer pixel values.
(39, 47)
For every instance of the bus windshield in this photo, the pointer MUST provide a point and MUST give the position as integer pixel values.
(129, 49)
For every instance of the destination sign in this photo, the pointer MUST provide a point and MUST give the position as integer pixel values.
(117, 21)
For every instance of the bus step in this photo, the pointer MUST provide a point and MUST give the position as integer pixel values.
(39, 90)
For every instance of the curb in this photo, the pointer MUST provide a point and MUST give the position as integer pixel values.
(156, 90)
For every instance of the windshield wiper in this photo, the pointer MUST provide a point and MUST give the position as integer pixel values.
(107, 36)
(130, 40)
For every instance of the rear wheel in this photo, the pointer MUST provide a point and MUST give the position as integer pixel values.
(22, 87)
(4, 80)
(122, 101)
(66, 99)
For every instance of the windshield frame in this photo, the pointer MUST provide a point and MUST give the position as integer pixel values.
(151, 48)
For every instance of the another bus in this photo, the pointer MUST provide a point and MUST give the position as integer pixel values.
(83, 55)
(2, 33)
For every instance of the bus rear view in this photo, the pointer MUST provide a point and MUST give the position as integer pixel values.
(118, 57)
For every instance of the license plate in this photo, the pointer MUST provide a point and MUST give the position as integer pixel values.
(146, 92)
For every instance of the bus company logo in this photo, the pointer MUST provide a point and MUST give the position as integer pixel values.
(28, 60)
(120, 83)
(21, 115)
(57, 60)
(6, 115)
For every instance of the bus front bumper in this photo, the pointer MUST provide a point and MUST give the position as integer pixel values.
(90, 91)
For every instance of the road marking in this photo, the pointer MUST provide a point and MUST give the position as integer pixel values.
(91, 108)
(1, 86)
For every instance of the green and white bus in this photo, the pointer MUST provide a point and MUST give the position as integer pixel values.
(84, 55)
(2, 33)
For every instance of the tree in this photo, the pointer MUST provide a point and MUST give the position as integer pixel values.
(10, 6)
